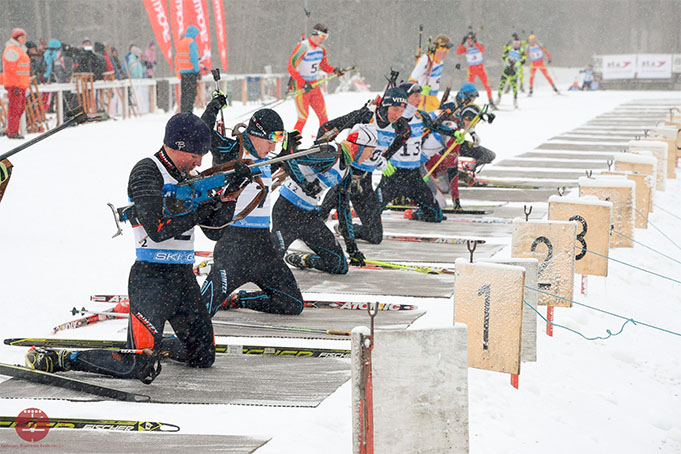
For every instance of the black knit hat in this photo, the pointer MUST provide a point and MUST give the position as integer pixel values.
(188, 133)
(263, 123)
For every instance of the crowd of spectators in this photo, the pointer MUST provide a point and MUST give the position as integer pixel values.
(54, 61)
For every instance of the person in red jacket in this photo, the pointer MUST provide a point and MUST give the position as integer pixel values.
(307, 59)
(474, 50)
(17, 78)
(536, 53)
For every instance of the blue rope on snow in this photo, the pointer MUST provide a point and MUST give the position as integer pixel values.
(610, 333)
(629, 264)
(635, 322)
(647, 247)
(667, 211)
(656, 228)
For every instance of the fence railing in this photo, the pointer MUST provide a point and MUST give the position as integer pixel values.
(133, 97)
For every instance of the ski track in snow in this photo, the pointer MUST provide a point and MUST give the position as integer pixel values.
(617, 395)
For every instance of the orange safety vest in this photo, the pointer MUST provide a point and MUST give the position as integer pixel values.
(182, 60)
(17, 73)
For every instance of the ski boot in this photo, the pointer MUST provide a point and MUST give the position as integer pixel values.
(529, 94)
(299, 260)
(515, 103)
(48, 360)
(522, 89)
(492, 105)
(234, 301)
(555, 89)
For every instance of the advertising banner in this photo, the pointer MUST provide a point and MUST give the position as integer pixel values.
(619, 67)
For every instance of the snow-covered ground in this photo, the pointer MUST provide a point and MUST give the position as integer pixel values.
(620, 395)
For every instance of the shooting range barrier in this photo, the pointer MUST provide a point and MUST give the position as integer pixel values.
(553, 244)
(620, 191)
(659, 151)
(593, 230)
(410, 390)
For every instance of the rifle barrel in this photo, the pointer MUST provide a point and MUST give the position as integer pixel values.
(79, 117)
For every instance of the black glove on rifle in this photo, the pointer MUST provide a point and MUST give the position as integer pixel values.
(356, 256)
(241, 177)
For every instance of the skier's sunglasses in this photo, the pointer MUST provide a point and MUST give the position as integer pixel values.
(320, 34)
(276, 136)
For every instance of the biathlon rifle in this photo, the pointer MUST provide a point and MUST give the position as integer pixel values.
(220, 124)
(76, 116)
(200, 189)
(333, 133)
(419, 50)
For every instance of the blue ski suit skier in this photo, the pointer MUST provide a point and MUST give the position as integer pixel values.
(246, 251)
(296, 216)
(393, 132)
(162, 285)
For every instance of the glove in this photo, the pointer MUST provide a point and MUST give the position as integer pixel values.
(312, 189)
(307, 87)
(365, 115)
(509, 70)
(219, 98)
(458, 66)
(490, 117)
(339, 71)
(207, 209)
(241, 177)
(389, 170)
(549, 61)
(356, 256)
(4, 172)
(448, 106)
(291, 142)
(425, 90)
(459, 136)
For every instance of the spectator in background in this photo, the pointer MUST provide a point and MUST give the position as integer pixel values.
(119, 70)
(107, 59)
(58, 66)
(150, 59)
(37, 64)
(17, 77)
(87, 61)
(134, 62)
(187, 66)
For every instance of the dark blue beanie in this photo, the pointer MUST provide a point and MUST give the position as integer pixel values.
(395, 97)
(188, 133)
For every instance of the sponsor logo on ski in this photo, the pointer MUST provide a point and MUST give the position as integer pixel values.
(117, 427)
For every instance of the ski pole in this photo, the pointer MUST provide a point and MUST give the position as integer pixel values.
(77, 116)
(84, 311)
(296, 93)
(333, 332)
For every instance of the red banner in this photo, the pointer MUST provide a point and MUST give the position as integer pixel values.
(220, 30)
(158, 16)
(196, 13)
(177, 18)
